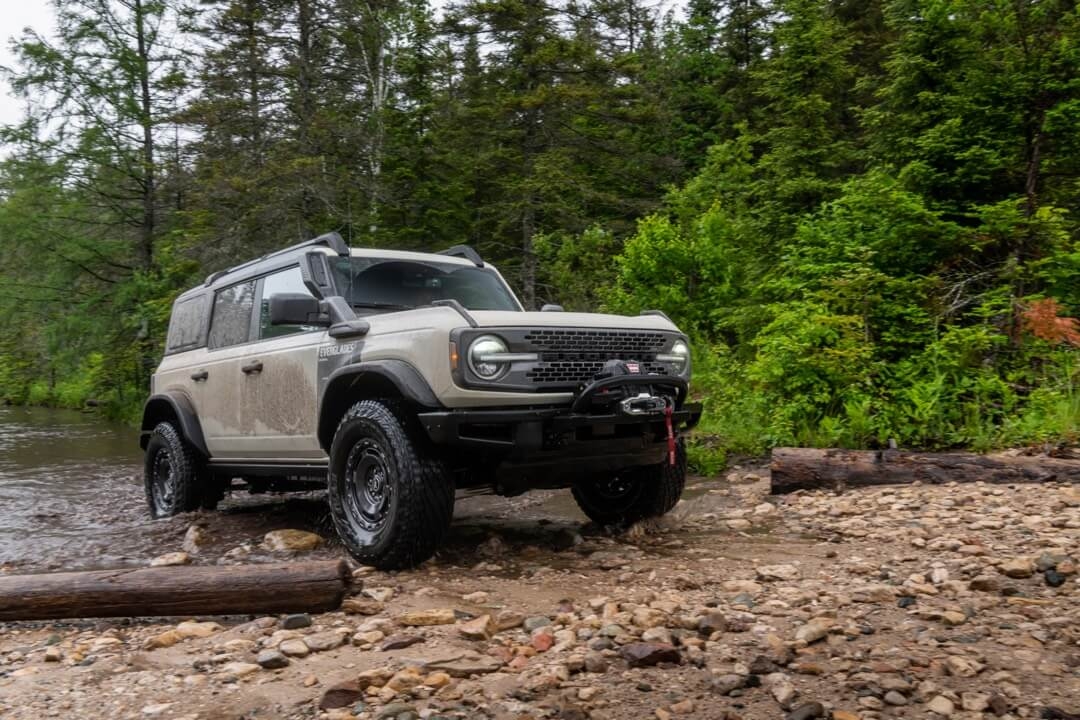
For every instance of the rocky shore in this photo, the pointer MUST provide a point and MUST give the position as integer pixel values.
(956, 601)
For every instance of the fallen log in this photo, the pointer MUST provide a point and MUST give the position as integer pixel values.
(810, 468)
(176, 591)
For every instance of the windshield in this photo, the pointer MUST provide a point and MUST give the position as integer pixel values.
(385, 284)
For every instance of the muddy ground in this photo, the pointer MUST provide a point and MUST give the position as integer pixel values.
(907, 602)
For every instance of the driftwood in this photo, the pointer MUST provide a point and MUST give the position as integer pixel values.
(807, 468)
(176, 591)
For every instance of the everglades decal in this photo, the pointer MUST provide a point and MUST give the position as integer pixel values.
(328, 351)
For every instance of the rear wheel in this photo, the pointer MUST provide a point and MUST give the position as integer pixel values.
(171, 473)
(391, 500)
(634, 494)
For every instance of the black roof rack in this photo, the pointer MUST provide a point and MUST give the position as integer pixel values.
(464, 251)
(332, 240)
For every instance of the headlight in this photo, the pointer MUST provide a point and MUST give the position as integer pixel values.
(480, 360)
(679, 356)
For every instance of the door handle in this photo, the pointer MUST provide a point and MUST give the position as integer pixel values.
(200, 375)
(255, 367)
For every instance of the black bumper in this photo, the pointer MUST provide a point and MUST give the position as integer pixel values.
(548, 429)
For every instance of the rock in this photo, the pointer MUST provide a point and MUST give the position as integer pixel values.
(379, 594)
(741, 586)
(999, 705)
(712, 622)
(156, 709)
(397, 710)
(291, 541)
(941, 705)
(477, 598)
(237, 670)
(508, 620)
(400, 642)
(960, 666)
(295, 622)
(368, 638)
(643, 654)
(894, 697)
(844, 715)
(985, 583)
(192, 629)
(271, 659)
(726, 684)
(360, 606)
(813, 631)
(294, 648)
(974, 701)
(321, 642)
(465, 665)
(405, 680)
(439, 616)
(953, 618)
(375, 677)
(1053, 578)
(657, 634)
(163, 640)
(535, 622)
(595, 662)
(53, 654)
(542, 639)
(341, 695)
(1018, 568)
(171, 559)
(783, 691)
(683, 707)
(194, 538)
(770, 573)
(481, 628)
(806, 711)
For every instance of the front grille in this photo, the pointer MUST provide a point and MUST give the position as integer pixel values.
(624, 344)
(572, 372)
(571, 357)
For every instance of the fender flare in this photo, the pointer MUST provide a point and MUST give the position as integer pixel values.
(181, 407)
(374, 374)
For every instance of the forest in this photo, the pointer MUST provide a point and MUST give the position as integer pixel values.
(864, 212)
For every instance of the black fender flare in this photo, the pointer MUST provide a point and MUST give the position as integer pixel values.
(377, 376)
(165, 404)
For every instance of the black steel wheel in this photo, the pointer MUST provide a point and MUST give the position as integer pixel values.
(633, 494)
(390, 498)
(170, 473)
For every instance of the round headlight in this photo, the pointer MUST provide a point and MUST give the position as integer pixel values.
(681, 355)
(482, 347)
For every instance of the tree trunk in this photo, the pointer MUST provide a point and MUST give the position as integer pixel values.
(808, 469)
(149, 221)
(176, 591)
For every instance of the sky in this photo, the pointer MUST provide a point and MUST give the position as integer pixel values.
(14, 16)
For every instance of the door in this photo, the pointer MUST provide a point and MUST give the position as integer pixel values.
(280, 388)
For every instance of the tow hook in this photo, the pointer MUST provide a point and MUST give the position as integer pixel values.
(643, 404)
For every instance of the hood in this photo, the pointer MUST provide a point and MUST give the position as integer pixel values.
(499, 318)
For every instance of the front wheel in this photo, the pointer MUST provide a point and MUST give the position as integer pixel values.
(171, 473)
(633, 494)
(391, 500)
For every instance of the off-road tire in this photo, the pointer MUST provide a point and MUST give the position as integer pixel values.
(171, 473)
(400, 515)
(635, 494)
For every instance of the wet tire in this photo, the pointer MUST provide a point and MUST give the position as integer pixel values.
(390, 498)
(635, 494)
(171, 473)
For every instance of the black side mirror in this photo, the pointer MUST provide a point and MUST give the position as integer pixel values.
(297, 309)
(551, 307)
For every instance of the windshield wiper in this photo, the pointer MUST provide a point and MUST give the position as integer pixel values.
(380, 306)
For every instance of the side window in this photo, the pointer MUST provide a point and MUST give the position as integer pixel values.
(187, 325)
(230, 323)
(285, 281)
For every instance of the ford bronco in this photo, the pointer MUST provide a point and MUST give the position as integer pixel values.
(396, 379)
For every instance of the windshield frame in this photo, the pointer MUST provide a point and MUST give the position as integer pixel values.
(425, 259)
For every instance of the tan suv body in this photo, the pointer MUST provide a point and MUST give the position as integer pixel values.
(395, 378)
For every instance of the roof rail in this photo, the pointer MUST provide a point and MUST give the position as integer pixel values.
(464, 251)
(331, 240)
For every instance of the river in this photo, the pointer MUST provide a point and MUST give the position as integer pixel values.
(71, 498)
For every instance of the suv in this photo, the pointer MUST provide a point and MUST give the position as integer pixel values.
(395, 378)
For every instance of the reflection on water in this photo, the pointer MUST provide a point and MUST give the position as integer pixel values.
(70, 489)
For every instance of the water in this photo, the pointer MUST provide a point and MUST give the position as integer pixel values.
(70, 489)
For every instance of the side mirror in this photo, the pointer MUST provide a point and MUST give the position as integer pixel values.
(296, 309)
(550, 307)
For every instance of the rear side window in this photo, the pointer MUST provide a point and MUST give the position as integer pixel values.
(187, 325)
(230, 323)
